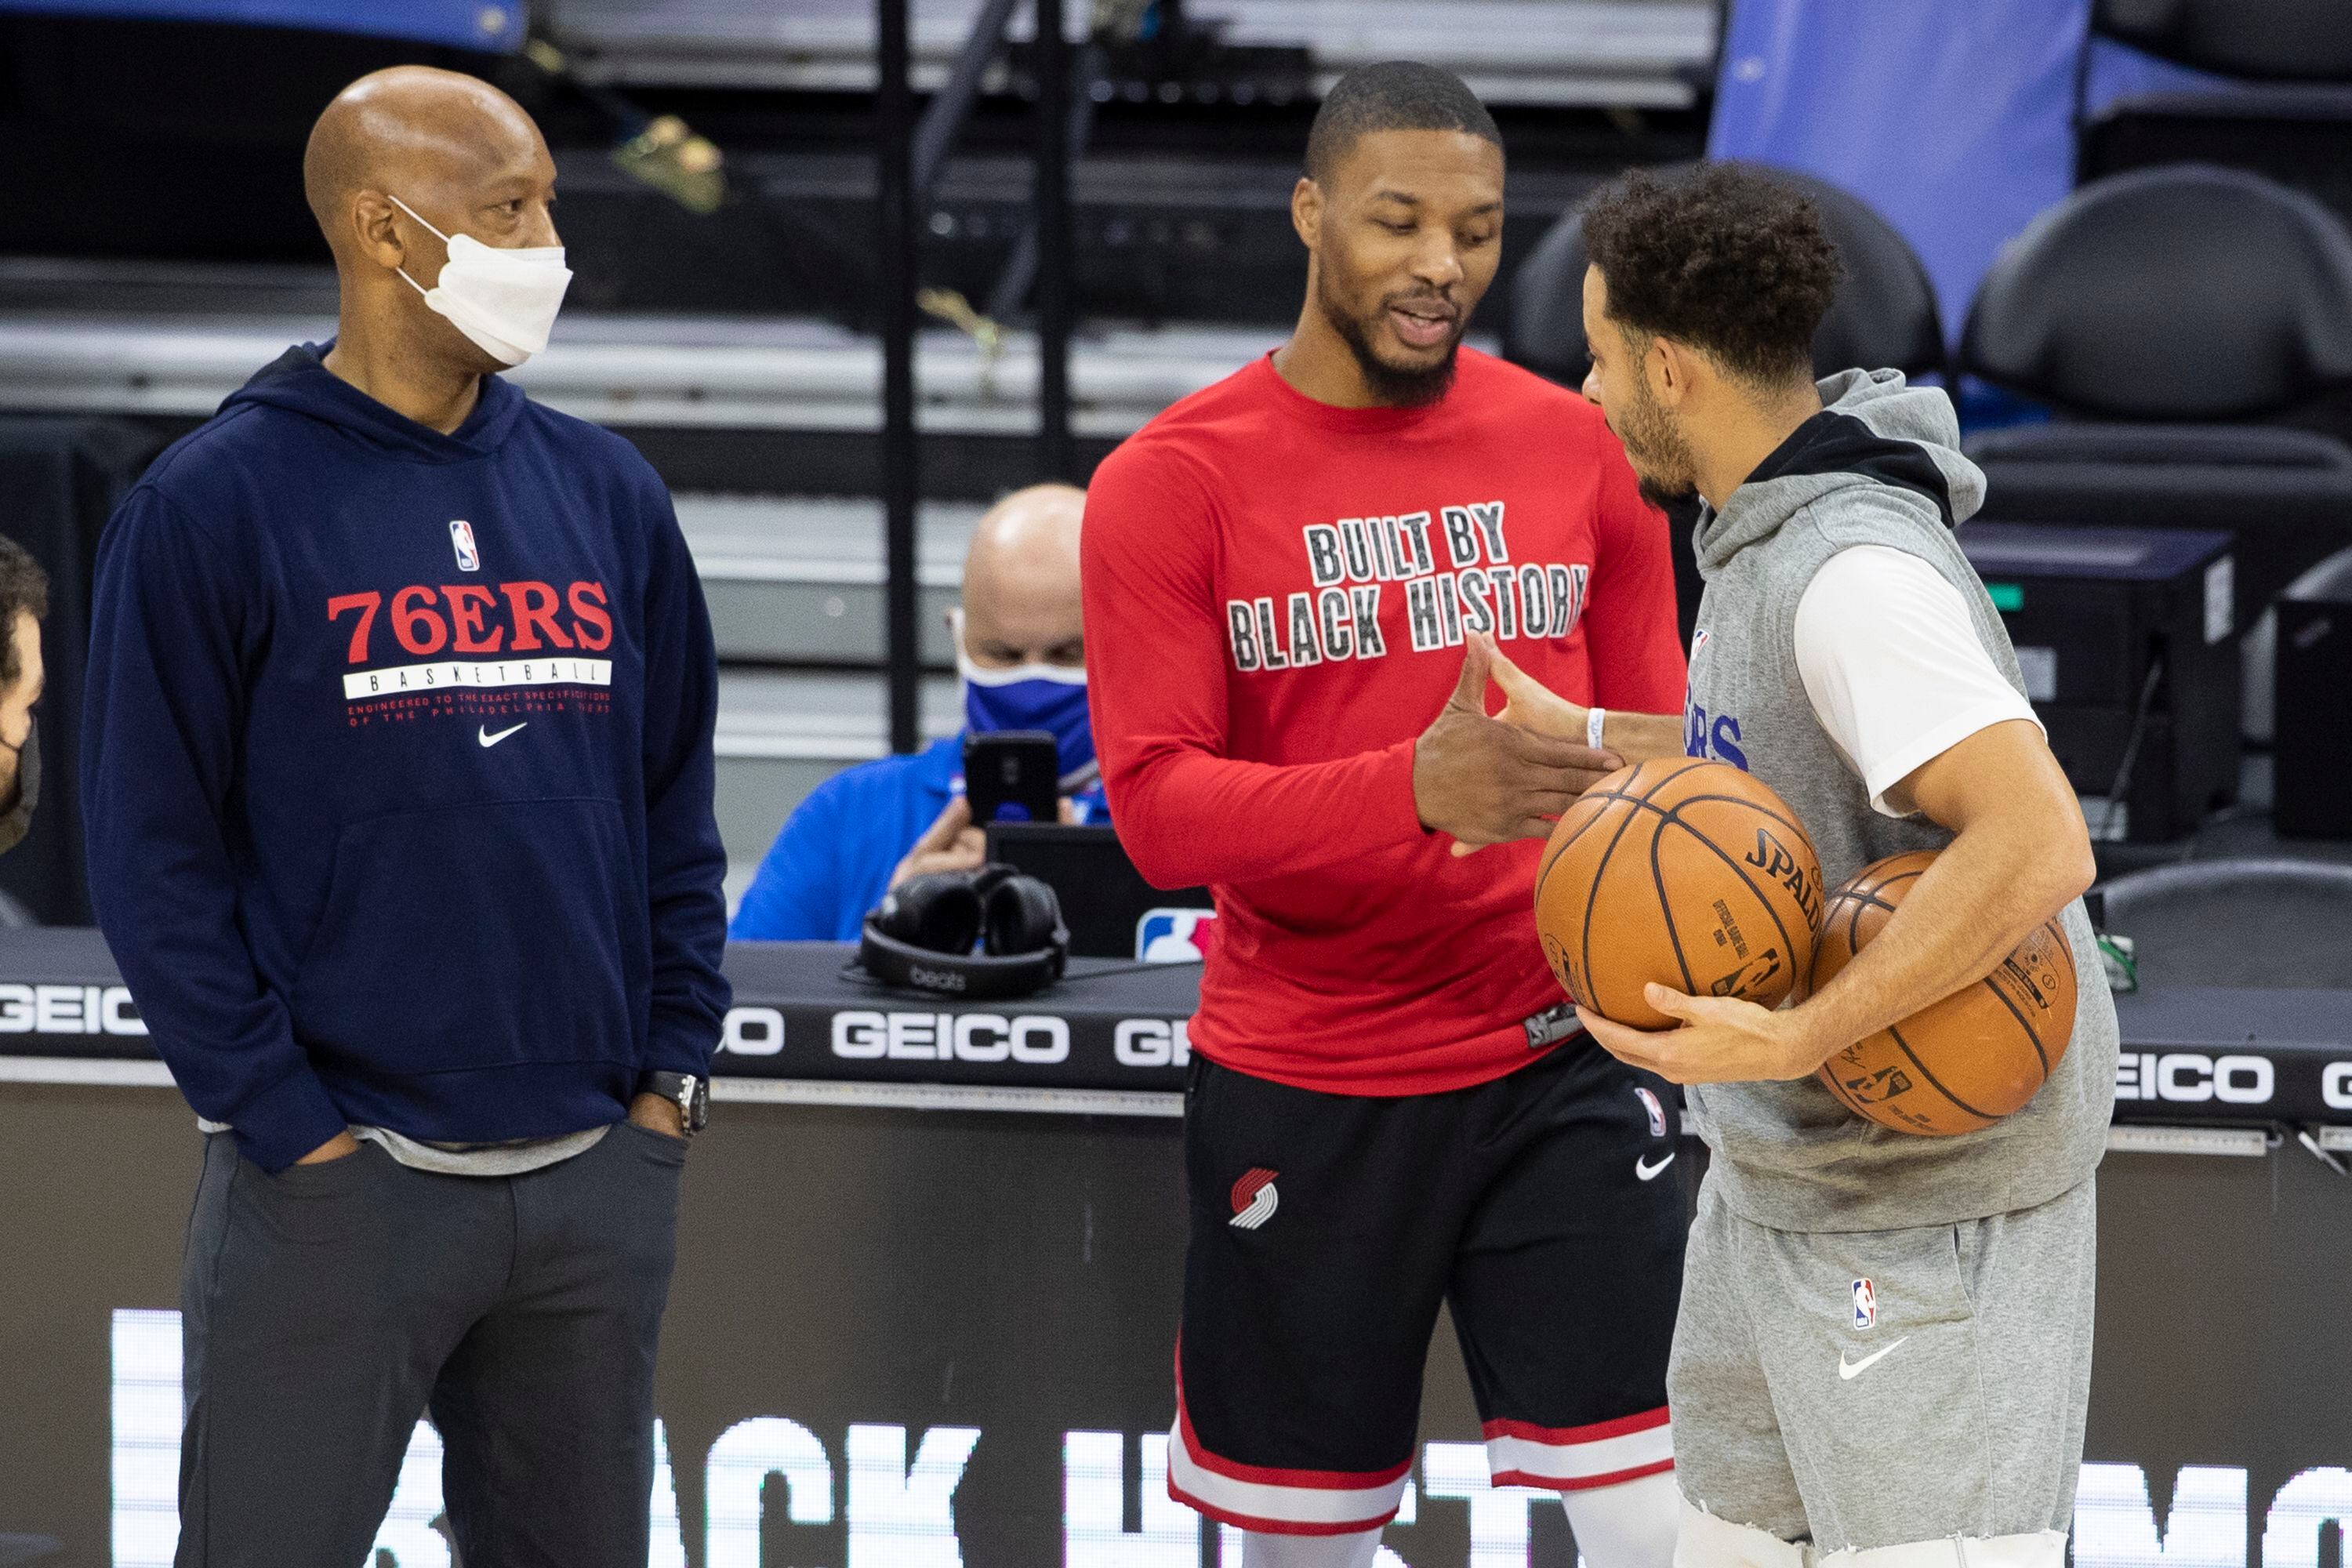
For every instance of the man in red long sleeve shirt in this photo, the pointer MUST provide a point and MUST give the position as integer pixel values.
(1287, 576)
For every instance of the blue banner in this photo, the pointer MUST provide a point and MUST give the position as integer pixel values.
(1953, 118)
(495, 27)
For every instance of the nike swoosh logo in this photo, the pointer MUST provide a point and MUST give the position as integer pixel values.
(1647, 1172)
(488, 739)
(1850, 1370)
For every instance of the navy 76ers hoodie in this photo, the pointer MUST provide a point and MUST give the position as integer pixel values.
(397, 769)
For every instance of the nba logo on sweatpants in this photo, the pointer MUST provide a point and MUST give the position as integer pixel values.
(1657, 1112)
(461, 535)
(1866, 1305)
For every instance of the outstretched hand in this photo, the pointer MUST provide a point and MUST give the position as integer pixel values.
(1533, 708)
(1528, 702)
(1721, 1039)
(1487, 782)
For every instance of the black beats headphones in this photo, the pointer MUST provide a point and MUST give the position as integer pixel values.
(922, 932)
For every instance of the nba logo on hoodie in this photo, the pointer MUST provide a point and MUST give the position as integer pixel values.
(461, 535)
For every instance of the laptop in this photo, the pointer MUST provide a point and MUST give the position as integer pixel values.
(1104, 900)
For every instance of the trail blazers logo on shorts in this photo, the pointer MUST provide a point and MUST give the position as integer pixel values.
(1254, 1199)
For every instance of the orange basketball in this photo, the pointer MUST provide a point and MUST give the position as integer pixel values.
(1967, 1061)
(1689, 873)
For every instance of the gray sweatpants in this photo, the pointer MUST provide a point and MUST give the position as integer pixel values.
(325, 1307)
(1946, 1398)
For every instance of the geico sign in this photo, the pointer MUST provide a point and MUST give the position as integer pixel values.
(951, 1037)
(754, 1032)
(1150, 1043)
(68, 1010)
(2193, 1077)
(2335, 1086)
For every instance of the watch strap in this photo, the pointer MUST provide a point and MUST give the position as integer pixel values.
(690, 1094)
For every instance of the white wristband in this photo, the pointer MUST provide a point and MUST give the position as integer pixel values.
(1594, 719)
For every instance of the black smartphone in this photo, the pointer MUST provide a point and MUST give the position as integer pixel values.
(1012, 775)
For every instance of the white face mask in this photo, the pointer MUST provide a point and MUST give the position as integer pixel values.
(504, 300)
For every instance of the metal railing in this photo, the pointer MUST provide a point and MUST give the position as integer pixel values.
(911, 156)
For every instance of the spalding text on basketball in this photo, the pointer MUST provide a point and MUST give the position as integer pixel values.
(1776, 860)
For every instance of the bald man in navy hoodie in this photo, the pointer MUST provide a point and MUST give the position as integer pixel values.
(398, 779)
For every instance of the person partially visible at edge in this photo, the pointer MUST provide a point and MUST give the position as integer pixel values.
(1847, 656)
(1288, 575)
(23, 605)
(1020, 637)
(398, 776)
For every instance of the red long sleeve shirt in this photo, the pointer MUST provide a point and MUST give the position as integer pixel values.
(1277, 593)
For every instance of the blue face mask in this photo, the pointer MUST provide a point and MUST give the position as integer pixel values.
(1032, 697)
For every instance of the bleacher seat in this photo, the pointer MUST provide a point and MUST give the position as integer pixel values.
(2286, 110)
(2266, 924)
(798, 580)
(2272, 40)
(2161, 314)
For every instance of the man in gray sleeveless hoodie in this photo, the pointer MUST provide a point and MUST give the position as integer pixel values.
(1882, 1353)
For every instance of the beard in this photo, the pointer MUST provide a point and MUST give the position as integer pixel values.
(1397, 386)
(1663, 469)
(1663, 498)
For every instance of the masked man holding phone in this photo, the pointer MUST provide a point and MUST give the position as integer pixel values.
(398, 779)
(1020, 649)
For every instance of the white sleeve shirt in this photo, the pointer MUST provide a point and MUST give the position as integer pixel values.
(1892, 667)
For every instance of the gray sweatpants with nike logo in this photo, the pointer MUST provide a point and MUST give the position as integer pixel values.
(1944, 1399)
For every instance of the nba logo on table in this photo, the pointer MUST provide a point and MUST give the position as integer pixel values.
(1866, 1305)
(461, 535)
(1657, 1112)
(1172, 936)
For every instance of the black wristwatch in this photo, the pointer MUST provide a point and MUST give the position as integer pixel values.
(690, 1094)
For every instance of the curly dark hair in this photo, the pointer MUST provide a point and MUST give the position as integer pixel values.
(24, 586)
(1729, 262)
(1394, 95)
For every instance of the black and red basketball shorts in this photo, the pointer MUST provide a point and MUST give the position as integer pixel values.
(1544, 1208)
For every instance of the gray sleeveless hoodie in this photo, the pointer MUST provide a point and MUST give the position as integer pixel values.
(1881, 464)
